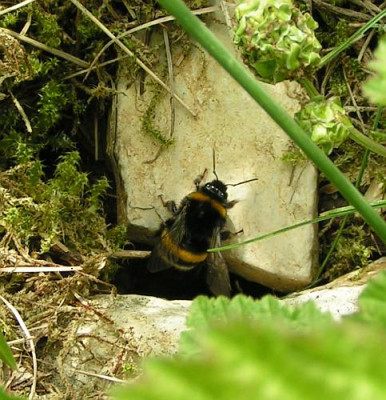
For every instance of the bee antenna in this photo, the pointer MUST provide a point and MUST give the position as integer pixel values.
(214, 163)
(240, 183)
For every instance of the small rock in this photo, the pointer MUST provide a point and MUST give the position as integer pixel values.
(339, 297)
(110, 337)
(114, 333)
(248, 145)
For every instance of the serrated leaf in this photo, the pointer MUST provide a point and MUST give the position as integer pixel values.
(372, 301)
(5, 353)
(375, 87)
(206, 313)
(245, 362)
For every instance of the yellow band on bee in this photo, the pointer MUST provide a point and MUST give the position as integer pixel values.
(182, 254)
(199, 196)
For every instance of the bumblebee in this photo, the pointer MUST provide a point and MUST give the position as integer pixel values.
(197, 225)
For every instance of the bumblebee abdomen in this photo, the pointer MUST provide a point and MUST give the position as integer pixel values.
(183, 255)
(187, 254)
(187, 236)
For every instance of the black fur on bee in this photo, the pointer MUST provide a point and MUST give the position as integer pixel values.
(196, 226)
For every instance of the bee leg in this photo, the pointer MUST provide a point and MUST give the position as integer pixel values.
(230, 204)
(170, 205)
(200, 178)
(225, 235)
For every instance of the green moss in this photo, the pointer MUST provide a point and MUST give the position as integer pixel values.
(87, 30)
(9, 120)
(338, 85)
(41, 67)
(342, 32)
(293, 156)
(148, 126)
(48, 30)
(66, 208)
(354, 251)
(129, 369)
(118, 236)
(53, 100)
(8, 20)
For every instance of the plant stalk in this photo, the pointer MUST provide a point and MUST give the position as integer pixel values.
(238, 71)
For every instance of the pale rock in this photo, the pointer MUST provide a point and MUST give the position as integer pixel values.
(248, 145)
(339, 297)
(112, 332)
(338, 301)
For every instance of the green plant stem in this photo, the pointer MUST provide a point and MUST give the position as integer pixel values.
(338, 212)
(365, 160)
(309, 87)
(206, 38)
(367, 143)
(356, 36)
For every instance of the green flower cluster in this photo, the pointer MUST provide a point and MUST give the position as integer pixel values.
(276, 38)
(325, 121)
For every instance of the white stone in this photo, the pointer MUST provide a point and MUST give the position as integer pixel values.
(113, 334)
(248, 144)
(339, 297)
(110, 332)
(338, 301)
(154, 325)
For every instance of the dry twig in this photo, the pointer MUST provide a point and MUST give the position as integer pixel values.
(22, 113)
(130, 53)
(105, 377)
(343, 11)
(171, 81)
(31, 343)
(16, 7)
(353, 99)
(145, 26)
(42, 46)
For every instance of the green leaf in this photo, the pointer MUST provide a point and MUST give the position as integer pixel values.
(6, 396)
(206, 313)
(6, 354)
(241, 361)
(263, 350)
(375, 87)
(372, 301)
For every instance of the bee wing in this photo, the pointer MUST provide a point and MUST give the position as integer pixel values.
(217, 276)
(177, 229)
(156, 262)
(161, 257)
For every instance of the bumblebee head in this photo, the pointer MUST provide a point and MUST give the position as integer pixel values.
(215, 189)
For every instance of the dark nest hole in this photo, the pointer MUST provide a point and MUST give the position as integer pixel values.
(133, 277)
